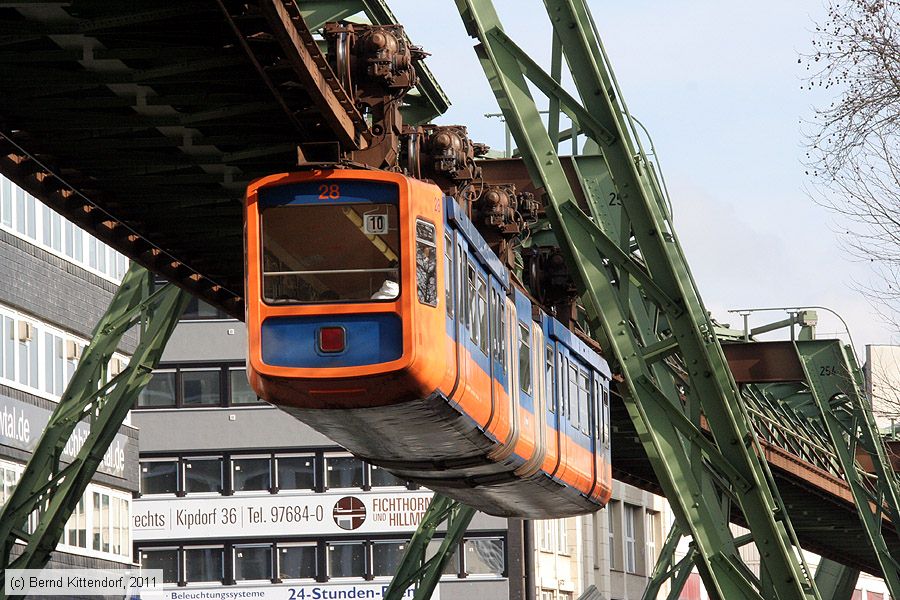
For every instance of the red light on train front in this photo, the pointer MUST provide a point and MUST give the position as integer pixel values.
(332, 339)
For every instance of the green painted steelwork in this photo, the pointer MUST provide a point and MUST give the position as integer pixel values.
(836, 387)
(643, 306)
(835, 581)
(416, 567)
(53, 489)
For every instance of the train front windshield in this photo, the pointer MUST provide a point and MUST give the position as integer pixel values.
(330, 252)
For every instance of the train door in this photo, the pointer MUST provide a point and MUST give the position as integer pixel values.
(451, 376)
(551, 414)
(565, 409)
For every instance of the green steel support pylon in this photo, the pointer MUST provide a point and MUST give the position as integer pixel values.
(644, 308)
(835, 581)
(836, 386)
(416, 568)
(52, 488)
(668, 569)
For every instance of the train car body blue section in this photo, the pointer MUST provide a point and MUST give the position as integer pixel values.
(369, 339)
(315, 192)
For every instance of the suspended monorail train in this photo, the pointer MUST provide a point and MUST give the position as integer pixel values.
(378, 315)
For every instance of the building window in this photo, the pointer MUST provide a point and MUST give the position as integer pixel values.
(548, 595)
(297, 561)
(547, 538)
(159, 477)
(296, 472)
(380, 477)
(203, 564)
(159, 391)
(346, 559)
(200, 387)
(252, 562)
(386, 557)
(76, 528)
(452, 565)
(562, 539)
(198, 310)
(101, 522)
(241, 392)
(343, 472)
(629, 539)
(250, 474)
(652, 535)
(164, 559)
(610, 512)
(484, 556)
(203, 475)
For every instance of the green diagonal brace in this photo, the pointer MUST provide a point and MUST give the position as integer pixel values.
(834, 383)
(611, 308)
(415, 567)
(54, 489)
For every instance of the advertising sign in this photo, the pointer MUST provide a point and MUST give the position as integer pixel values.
(285, 591)
(21, 425)
(283, 514)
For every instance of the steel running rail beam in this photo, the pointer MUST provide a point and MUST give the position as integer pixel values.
(638, 292)
(47, 486)
(416, 568)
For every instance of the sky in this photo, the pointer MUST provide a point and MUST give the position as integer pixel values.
(718, 85)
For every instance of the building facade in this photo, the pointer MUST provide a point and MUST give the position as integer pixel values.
(614, 549)
(55, 283)
(236, 495)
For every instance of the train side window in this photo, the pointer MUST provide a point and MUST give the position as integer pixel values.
(482, 315)
(495, 326)
(448, 273)
(550, 383)
(501, 319)
(574, 416)
(426, 263)
(606, 422)
(583, 401)
(524, 359)
(561, 385)
(470, 301)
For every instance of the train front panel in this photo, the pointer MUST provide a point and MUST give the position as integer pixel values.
(342, 289)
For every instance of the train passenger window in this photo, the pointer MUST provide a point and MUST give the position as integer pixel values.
(501, 318)
(470, 303)
(331, 252)
(426, 263)
(482, 315)
(495, 326)
(561, 384)
(583, 401)
(606, 424)
(551, 400)
(524, 359)
(574, 416)
(448, 274)
(462, 304)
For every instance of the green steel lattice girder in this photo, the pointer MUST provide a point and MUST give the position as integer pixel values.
(53, 489)
(416, 568)
(835, 384)
(620, 324)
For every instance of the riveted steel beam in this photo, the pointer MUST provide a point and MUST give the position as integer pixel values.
(625, 323)
(48, 487)
(416, 568)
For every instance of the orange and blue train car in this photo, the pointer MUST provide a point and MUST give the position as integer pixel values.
(378, 315)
